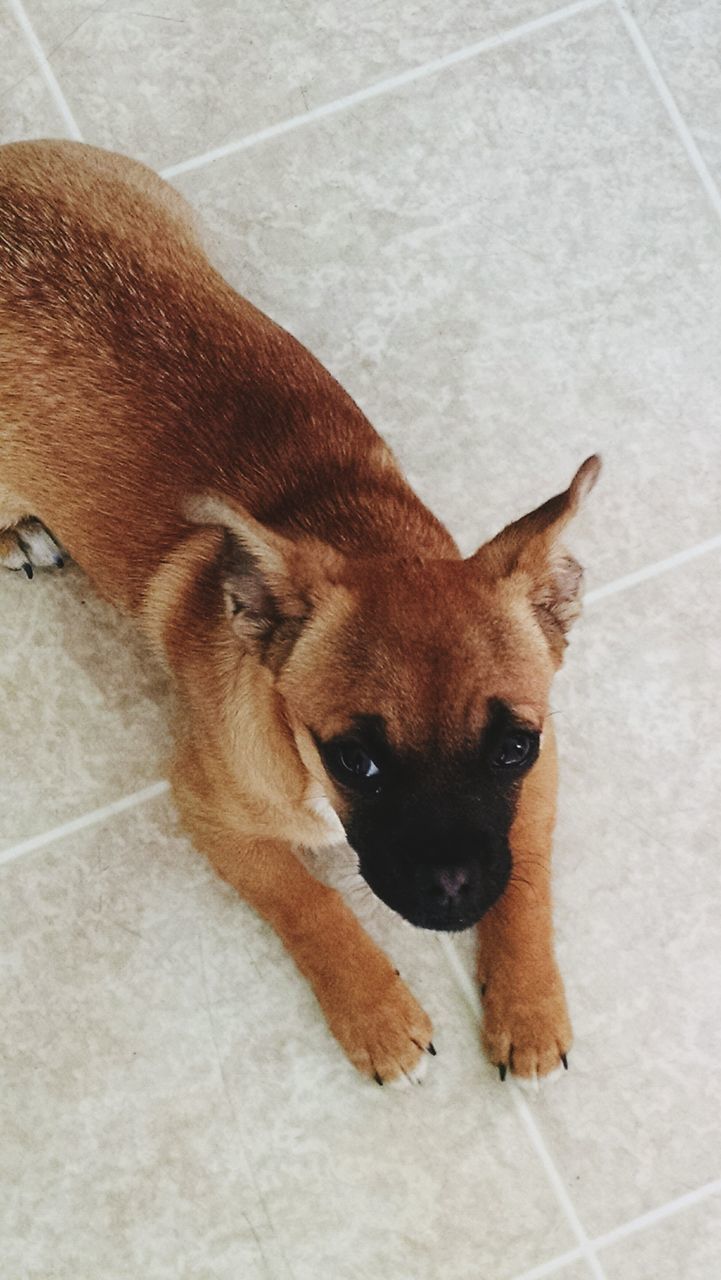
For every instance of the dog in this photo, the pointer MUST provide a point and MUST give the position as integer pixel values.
(343, 673)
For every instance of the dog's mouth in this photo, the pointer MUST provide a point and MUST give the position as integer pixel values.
(437, 922)
(432, 908)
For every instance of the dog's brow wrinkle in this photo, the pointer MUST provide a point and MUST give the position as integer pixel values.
(528, 715)
(372, 724)
(470, 724)
(519, 713)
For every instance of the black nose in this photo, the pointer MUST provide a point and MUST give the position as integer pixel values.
(451, 883)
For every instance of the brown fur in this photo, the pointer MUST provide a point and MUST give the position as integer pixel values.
(214, 481)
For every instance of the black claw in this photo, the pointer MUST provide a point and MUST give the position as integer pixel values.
(502, 1071)
(431, 1048)
(564, 1060)
(378, 1079)
(59, 562)
(28, 569)
(483, 988)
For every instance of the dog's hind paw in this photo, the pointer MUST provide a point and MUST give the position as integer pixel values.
(29, 546)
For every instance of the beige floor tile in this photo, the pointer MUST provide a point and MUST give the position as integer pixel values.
(16, 62)
(684, 1247)
(170, 1093)
(165, 85)
(573, 1271)
(117, 1157)
(685, 39)
(637, 1122)
(509, 266)
(85, 709)
(26, 109)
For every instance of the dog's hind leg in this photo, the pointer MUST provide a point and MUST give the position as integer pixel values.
(25, 544)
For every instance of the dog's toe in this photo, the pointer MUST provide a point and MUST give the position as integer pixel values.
(41, 548)
(12, 555)
(534, 1083)
(411, 1075)
(29, 546)
(527, 1038)
(389, 1038)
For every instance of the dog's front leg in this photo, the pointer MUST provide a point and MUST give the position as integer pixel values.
(526, 1025)
(369, 1009)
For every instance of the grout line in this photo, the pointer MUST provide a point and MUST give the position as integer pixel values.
(556, 1181)
(653, 570)
(669, 102)
(646, 1220)
(382, 87)
(18, 9)
(86, 820)
(585, 1248)
(642, 1223)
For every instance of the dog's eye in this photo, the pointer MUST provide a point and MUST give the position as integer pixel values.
(518, 748)
(349, 763)
(354, 760)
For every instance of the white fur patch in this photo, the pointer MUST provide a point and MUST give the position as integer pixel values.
(320, 805)
(534, 1083)
(43, 551)
(416, 1076)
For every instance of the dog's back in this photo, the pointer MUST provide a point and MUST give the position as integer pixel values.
(133, 376)
(91, 250)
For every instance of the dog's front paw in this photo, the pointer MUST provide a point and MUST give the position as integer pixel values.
(386, 1037)
(526, 1030)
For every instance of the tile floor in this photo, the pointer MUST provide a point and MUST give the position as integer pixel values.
(500, 226)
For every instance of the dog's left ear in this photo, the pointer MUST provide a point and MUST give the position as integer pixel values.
(530, 549)
(271, 584)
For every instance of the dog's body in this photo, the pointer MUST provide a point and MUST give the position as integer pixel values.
(341, 669)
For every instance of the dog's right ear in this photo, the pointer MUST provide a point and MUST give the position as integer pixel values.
(271, 584)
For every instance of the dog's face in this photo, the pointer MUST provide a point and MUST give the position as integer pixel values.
(425, 700)
(417, 693)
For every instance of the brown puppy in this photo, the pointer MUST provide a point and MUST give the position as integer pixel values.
(342, 671)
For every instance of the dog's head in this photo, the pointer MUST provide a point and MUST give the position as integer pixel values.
(416, 692)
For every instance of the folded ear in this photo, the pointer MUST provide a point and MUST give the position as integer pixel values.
(531, 549)
(271, 584)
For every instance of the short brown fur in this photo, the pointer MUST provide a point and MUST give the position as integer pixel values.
(215, 482)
